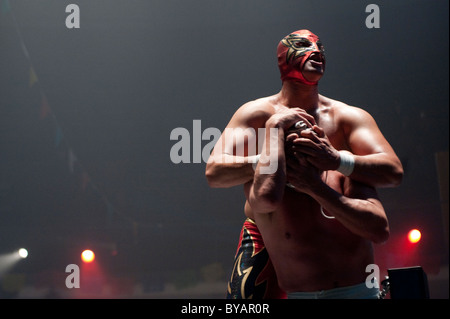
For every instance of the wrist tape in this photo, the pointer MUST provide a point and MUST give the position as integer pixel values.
(347, 163)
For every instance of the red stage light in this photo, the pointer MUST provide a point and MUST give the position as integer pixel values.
(87, 256)
(414, 236)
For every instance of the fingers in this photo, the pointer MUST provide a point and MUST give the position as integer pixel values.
(301, 143)
(292, 137)
(306, 116)
(295, 115)
(311, 134)
(309, 138)
(305, 150)
(319, 131)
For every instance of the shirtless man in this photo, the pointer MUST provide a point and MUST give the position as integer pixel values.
(317, 238)
(334, 128)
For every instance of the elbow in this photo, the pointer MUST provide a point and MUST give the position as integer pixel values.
(397, 175)
(212, 176)
(381, 235)
(381, 238)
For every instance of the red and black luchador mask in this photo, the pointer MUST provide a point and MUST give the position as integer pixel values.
(293, 51)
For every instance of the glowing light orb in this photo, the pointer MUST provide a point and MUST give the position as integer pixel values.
(23, 253)
(414, 236)
(87, 256)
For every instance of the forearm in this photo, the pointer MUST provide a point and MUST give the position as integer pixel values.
(378, 170)
(228, 170)
(374, 161)
(267, 189)
(363, 217)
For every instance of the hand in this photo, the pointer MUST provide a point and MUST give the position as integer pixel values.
(315, 146)
(287, 117)
(301, 174)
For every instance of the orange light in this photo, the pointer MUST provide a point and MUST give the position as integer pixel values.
(87, 256)
(414, 236)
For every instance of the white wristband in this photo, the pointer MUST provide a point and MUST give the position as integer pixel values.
(347, 163)
(255, 161)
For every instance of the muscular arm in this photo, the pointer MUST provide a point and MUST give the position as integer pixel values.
(375, 160)
(267, 189)
(359, 209)
(231, 161)
(376, 163)
(356, 206)
(225, 170)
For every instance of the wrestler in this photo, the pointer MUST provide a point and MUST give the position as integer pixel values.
(318, 231)
(334, 127)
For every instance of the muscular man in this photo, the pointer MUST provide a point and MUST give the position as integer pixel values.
(319, 231)
(335, 128)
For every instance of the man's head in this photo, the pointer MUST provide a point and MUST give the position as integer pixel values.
(294, 51)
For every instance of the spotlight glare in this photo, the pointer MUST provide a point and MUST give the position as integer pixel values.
(23, 253)
(414, 236)
(87, 256)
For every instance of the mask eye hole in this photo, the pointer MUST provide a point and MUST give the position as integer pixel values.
(320, 46)
(302, 43)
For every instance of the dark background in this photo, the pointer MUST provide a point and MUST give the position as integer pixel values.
(84, 145)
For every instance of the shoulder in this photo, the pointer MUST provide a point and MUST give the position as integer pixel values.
(255, 113)
(347, 114)
(264, 105)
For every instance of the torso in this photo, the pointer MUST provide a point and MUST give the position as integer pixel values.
(309, 251)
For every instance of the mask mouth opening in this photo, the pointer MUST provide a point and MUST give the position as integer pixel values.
(317, 57)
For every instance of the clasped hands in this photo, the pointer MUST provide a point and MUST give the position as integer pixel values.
(308, 151)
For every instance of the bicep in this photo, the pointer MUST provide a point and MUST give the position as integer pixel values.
(240, 136)
(363, 134)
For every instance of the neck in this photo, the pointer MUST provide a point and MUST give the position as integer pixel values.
(297, 94)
